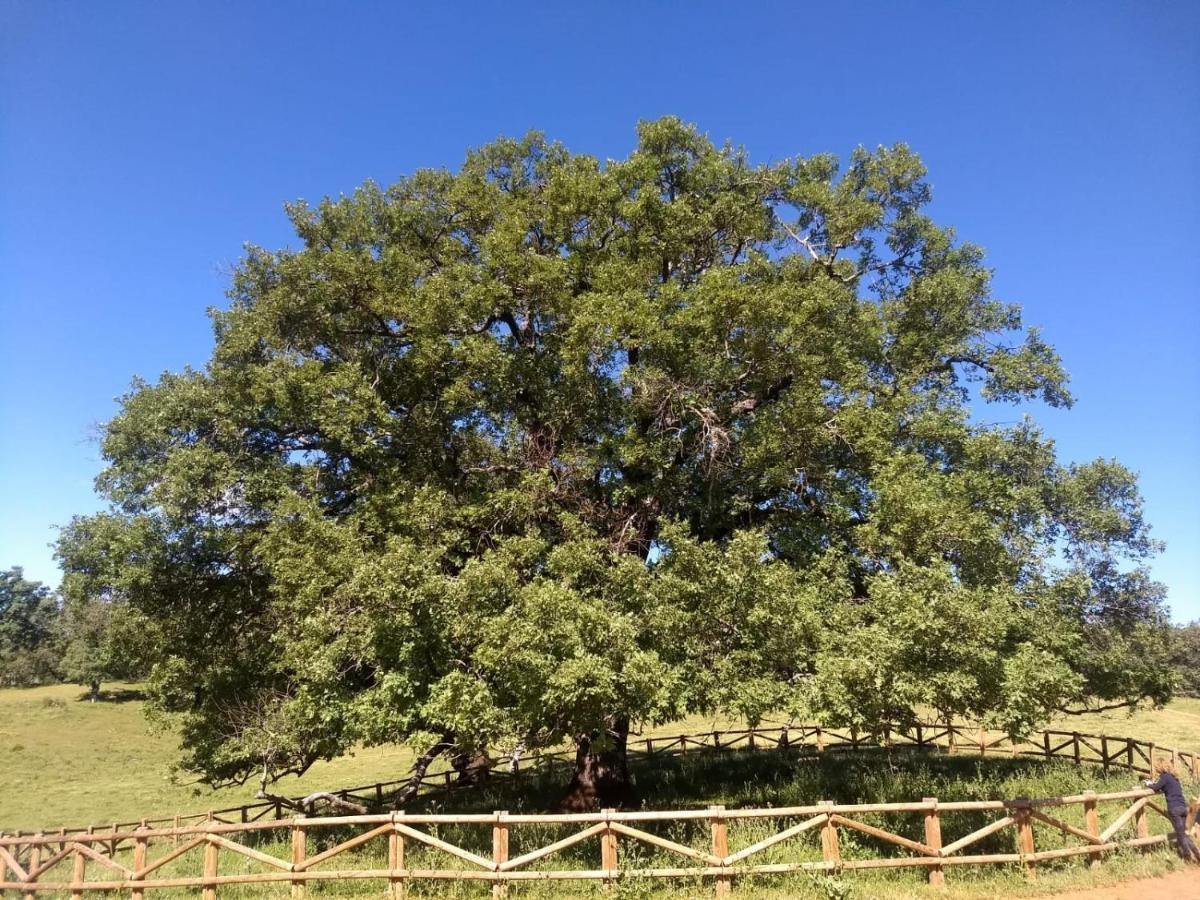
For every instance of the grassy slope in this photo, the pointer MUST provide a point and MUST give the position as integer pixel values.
(66, 761)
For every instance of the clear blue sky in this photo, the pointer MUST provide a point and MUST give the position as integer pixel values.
(142, 143)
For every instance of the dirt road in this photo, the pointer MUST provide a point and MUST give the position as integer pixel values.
(1184, 885)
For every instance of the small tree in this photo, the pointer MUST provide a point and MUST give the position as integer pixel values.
(98, 643)
(1185, 658)
(546, 449)
(28, 615)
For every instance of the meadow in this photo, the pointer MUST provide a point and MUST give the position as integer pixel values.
(65, 761)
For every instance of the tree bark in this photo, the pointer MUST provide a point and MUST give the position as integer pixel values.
(472, 768)
(601, 777)
(424, 761)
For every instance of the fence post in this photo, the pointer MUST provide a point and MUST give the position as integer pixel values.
(829, 840)
(35, 859)
(209, 891)
(500, 853)
(379, 795)
(1075, 746)
(1104, 750)
(1046, 743)
(3, 868)
(1025, 844)
(78, 874)
(608, 853)
(933, 839)
(396, 860)
(1091, 819)
(1150, 759)
(1141, 825)
(720, 848)
(820, 741)
(139, 860)
(299, 851)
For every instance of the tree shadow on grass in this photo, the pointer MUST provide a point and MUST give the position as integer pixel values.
(116, 695)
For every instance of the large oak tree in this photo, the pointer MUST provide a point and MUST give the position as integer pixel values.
(548, 448)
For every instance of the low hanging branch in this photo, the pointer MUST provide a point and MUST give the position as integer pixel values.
(307, 805)
(1106, 707)
(420, 767)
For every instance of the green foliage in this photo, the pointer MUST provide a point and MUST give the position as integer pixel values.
(99, 641)
(509, 455)
(28, 613)
(1185, 658)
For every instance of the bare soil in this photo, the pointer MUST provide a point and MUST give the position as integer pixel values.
(1183, 885)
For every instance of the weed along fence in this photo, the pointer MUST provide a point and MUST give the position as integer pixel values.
(399, 849)
(711, 849)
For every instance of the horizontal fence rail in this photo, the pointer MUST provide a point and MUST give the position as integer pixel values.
(1081, 748)
(713, 845)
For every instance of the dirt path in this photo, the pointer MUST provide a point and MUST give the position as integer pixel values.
(1184, 885)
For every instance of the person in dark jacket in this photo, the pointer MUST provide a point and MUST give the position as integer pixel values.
(1177, 808)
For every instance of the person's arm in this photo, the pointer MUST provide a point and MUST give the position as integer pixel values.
(1154, 785)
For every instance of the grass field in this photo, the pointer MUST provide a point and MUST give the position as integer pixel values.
(739, 779)
(65, 761)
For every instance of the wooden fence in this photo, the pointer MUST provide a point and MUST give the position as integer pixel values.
(399, 849)
(1078, 747)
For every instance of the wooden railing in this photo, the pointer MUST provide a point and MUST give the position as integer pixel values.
(399, 849)
(1078, 747)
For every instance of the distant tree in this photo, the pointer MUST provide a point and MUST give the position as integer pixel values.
(1186, 658)
(99, 642)
(547, 449)
(28, 615)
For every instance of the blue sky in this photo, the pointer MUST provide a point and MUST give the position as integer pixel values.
(142, 143)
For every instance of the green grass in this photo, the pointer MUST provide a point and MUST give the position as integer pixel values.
(744, 779)
(64, 761)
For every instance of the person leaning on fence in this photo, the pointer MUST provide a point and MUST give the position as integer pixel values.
(1177, 808)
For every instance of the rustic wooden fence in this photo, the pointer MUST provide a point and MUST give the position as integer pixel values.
(399, 849)
(1081, 748)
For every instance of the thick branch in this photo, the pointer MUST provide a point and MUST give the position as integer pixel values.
(420, 767)
(1121, 704)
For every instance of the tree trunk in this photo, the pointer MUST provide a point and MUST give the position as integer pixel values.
(601, 777)
(472, 768)
(95, 694)
(420, 767)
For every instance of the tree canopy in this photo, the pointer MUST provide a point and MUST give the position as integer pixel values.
(546, 448)
(28, 614)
